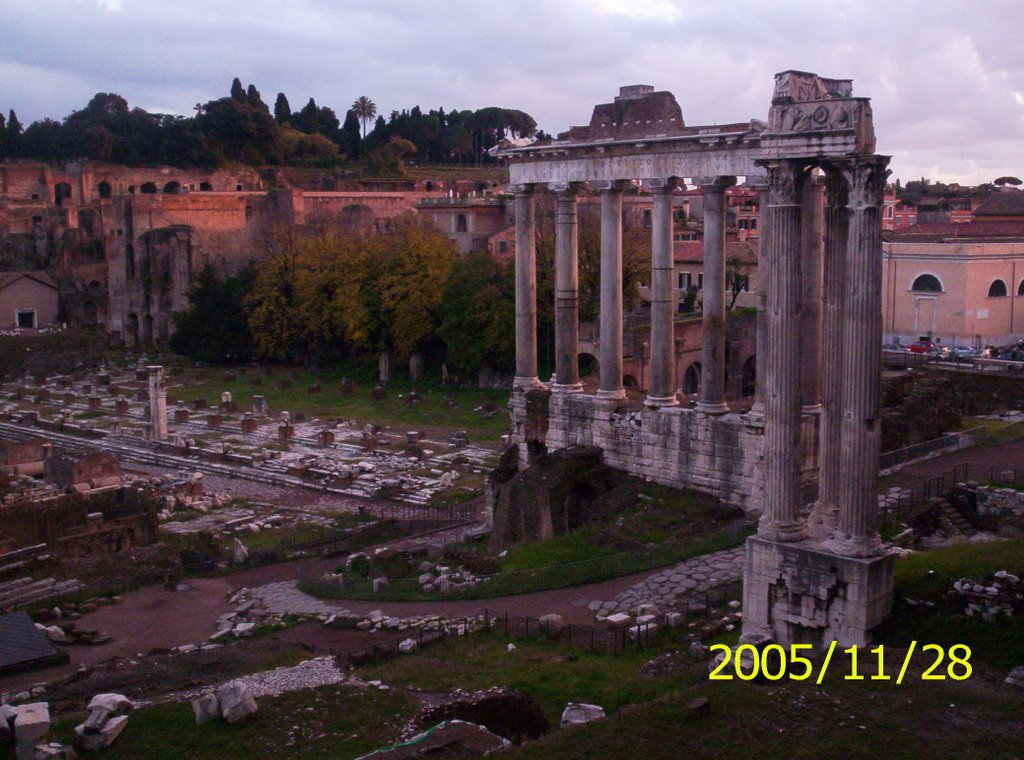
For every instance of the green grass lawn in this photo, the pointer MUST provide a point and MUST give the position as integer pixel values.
(327, 722)
(929, 576)
(551, 673)
(430, 415)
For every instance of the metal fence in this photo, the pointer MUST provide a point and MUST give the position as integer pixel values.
(921, 493)
(695, 608)
(961, 439)
(538, 579)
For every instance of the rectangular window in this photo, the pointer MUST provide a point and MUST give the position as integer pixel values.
(684, 280)
(888, 212)
(700, 281)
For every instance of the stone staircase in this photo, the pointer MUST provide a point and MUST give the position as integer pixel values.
(23, 592)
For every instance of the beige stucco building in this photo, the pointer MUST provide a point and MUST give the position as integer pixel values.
(962, 293)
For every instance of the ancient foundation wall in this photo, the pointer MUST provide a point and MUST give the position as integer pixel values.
(718, 455)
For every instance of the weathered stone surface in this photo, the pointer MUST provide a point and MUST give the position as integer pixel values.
(236, 701)
(105, 736)
(55, 751)
(552, 625)
(453, 738)
(1016, 677)
(115, 704)
(696, 708)
(31, 724)
(206, 708)
(578, 713)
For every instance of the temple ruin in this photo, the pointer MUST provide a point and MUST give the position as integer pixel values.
(807, 579)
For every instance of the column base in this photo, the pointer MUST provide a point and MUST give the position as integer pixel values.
(861, 547)
(804, 594)
(656, 401)
(612, 395)
(526, 383)
(708, 407)
(566, 389)
(821, 523)
(782, 532)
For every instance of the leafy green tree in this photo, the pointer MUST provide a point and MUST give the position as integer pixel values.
(389, 160)
(274, 301)
(215, 327)
(478, 314)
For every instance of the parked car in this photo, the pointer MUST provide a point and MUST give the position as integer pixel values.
(923, 347)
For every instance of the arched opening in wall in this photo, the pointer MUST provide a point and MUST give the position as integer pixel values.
(238, 188)
(503, 248)
(460, 223)
(691, 379)
(95, 285)
(1020, 288)
(588, 365)
(87, 221)
(205, 187)
(131, 329)
(147, 328)
(148, 188)
(129, 261)
(61, 192)
(104, 190)
(90, 313)
(997, 289)
(749, 376)
(172, 188)
(628, 381)
(429, 187)
(927, 283)
(481, 187)
(131, 189)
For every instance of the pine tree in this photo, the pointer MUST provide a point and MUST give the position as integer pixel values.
(252, 96)
(236, 90)
(282, 109)
(14, 131)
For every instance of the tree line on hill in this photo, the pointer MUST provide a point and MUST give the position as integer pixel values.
(242, 128)
(335, 295)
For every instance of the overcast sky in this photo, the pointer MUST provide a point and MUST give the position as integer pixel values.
(946, 77)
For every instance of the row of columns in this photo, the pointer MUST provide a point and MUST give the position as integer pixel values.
(662, 390)
(837, 297)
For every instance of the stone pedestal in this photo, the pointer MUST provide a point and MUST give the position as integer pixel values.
(799, 593)
(285, 432)
(260, 409)
(121, 406)
(213, 421)
(181, 416)
(69, 399)
(325, 438)
(95, 403)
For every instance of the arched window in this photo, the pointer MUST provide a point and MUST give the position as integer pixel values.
(430, 186)
(172, 188)
(205, 187)
(104, 189)
(997, 289)
(149, 188)
(460, 223)
(691, 379)
(61, 192)
(927, 283)
(1020, 288)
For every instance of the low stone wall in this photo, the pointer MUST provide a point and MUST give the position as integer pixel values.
(1003, 502)
(677, 447)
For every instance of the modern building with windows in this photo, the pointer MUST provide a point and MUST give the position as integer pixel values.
(954, 292)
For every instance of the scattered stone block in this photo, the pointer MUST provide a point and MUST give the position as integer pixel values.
(106, 736)
(236, 701)
(1016, 677)
(206, 708)
(578, 713)
(31, 727)
(55, 751)
(619, 620)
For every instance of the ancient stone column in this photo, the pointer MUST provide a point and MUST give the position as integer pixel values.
(824, 516)
(662, 387)
(811, 255)
(856, 534)
(781, 520)
(526, 289)
(610, 382)
(157, 402)
(761, 324)
(711, 399)
(567, 322)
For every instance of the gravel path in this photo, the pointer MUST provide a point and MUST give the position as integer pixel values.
(310, 674)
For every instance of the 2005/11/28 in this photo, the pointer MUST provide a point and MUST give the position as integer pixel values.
(773, 663)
